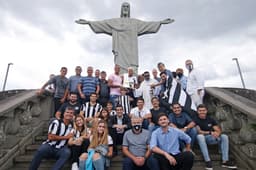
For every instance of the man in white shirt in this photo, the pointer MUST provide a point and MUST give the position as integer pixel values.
(195, 83)
(147, 90)
(130, 82)
(142, 112)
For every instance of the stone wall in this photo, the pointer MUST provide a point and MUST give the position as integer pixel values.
(22, 116)
(237, 118)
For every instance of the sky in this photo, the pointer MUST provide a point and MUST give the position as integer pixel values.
(40, 36)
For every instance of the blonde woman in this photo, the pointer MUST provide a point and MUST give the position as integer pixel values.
(100, 149)
(80, 142)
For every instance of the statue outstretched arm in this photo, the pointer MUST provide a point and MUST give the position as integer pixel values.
(82, 21)
(167, 21)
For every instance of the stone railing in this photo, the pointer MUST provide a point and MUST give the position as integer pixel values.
(237, 117)
(22, 116)
(247, 93)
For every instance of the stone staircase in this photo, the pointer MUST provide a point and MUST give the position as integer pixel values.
(23, 113)
(22, 162)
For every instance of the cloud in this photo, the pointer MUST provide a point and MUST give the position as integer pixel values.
(40, 36)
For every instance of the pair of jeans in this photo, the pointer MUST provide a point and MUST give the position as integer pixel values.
(222, 141)
(113, 100)
(192, 133)
(150, 164)
(47, 151)
(98, 164)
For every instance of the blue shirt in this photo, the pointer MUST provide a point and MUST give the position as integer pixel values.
(168, 73)
(169, 141)
(180, 120)
(89, 84)
(183, 82)
(72, 83)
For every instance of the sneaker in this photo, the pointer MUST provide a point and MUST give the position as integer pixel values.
(229, 164)
(208, 165)
(74, 166)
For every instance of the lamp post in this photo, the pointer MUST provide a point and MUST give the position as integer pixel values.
(239, 70)
(6, 75)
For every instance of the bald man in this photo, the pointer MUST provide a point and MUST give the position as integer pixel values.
(195, 83)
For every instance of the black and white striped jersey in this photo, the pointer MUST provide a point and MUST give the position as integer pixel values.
(57, 127)
(125, 102)
(90, 110)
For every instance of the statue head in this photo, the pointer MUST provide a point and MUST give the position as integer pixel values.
(125, 10)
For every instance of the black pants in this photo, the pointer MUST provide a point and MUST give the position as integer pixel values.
(76, 151)
(57, 105)
(117, 138)
(184, 161)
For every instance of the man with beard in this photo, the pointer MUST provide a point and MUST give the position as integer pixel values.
(72, 102)
(147, 90)
(55, 146)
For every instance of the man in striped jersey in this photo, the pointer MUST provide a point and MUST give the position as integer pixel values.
(125, 100)
(91, 109)
(174, 93)
(56, 145)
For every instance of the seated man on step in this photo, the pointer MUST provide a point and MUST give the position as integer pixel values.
(210, 133)
(56, 145)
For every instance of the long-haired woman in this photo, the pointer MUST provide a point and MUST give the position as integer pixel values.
(99, 150)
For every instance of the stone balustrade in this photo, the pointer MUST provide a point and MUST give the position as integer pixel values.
(237, 117)
(22, 115)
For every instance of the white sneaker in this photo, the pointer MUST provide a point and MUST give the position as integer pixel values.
(74, 166)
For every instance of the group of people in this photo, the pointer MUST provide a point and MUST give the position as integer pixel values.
(93, 115)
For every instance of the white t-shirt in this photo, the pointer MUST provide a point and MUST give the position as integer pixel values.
(129, 82)
(139, 113)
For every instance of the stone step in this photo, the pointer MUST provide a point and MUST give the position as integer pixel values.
(47, 166)
(23, 162)
(43, 165)
(41, 138)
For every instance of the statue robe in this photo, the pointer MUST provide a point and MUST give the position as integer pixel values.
(125, 32)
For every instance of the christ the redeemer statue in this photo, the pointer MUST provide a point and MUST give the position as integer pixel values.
(125, 32)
